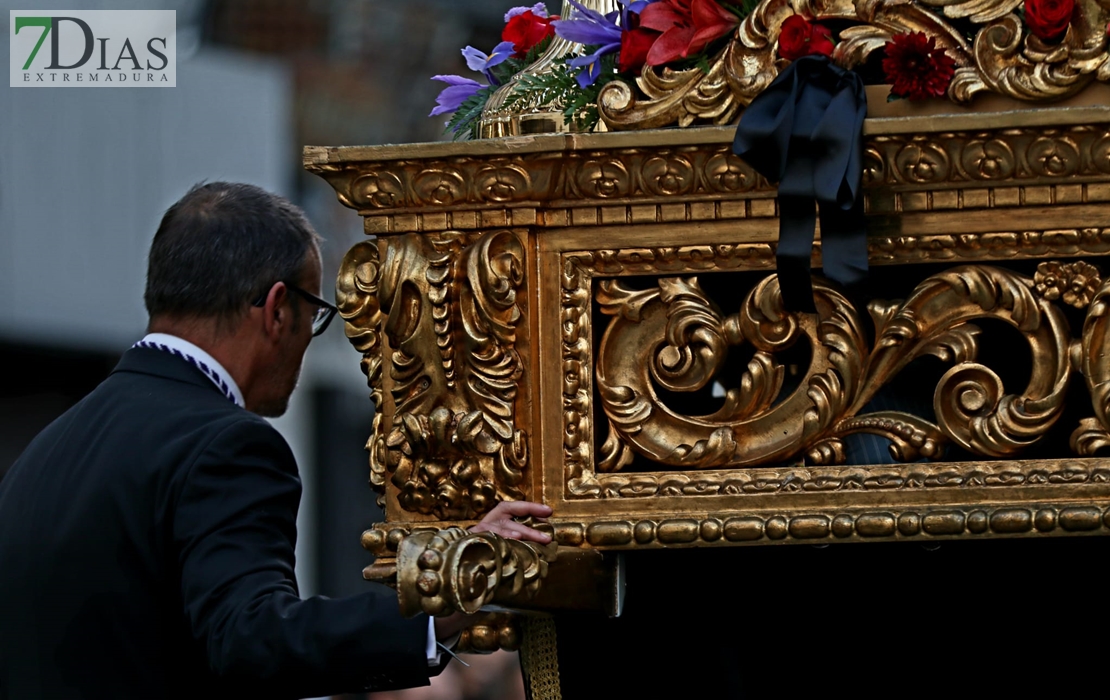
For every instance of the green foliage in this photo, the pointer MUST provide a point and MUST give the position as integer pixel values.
(464, 122)
(560, 88)
(511, 66)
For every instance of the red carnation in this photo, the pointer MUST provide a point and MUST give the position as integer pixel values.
(526, 30)
(916, 67)
(799, 37)
(1048, 19)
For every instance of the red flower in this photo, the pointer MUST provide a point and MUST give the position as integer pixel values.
(526, 30)
(1048, 19)
(799, 37)
(635, 45)
(688, 26)
(916, 67)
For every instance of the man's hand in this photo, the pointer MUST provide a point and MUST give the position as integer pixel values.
(502, 521)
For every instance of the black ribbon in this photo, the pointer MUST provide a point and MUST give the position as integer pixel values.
(805, 132)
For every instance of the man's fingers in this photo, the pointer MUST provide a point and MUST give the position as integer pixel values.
(500, 521)
(523, 532)
(512, 530)
(520, 508)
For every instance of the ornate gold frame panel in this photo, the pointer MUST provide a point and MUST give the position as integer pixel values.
(533, 310)
(782, 482)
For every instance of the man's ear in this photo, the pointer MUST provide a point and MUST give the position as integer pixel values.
(275, 312)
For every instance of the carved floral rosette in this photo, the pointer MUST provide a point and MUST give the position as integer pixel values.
(993, 52)
(448, 308)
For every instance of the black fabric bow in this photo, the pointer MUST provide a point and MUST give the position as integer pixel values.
(805, 132)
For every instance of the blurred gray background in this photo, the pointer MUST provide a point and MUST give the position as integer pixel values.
(85, 175)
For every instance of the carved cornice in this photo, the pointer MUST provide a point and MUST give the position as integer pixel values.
(1013, 156)
(553, 183)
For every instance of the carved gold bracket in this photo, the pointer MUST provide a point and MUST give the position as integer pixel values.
(440, 572)
(453, 570)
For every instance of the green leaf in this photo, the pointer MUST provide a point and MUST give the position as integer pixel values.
(464, 123)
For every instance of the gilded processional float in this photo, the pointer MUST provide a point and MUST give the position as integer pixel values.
(579, 305)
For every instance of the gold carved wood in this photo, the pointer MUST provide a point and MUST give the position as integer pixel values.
(1000, 57)
(530, 308)
(673, 337)
(445, 311)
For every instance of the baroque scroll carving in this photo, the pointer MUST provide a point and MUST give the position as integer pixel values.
(451, 570)
(1001, 57)
(1093, 433)
(672, 337)
(448, 306)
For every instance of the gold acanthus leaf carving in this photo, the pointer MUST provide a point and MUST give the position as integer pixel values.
(1013, 62)
(674, 338)
(356, 294)
(448, 305)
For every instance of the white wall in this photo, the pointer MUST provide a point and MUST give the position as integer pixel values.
(85, 175)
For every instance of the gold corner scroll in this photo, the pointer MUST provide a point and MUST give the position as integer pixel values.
(441, 572)
(454, 570)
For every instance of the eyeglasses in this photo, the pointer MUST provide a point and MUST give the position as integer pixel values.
(325, 312)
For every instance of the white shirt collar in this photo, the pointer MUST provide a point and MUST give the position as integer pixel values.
(200, 357)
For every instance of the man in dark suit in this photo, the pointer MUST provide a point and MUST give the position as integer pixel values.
(148, 533)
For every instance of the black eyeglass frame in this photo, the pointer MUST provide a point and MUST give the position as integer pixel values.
(319, 323)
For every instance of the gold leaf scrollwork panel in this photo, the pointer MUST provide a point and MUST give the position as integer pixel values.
(671, 338)
(449, 307)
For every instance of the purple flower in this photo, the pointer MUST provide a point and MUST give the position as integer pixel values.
(591, 28)
(590, 66)
(539, 10)
(458, 90)
(478, 61)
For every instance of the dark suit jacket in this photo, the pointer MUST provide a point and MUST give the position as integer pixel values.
(146, 551)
